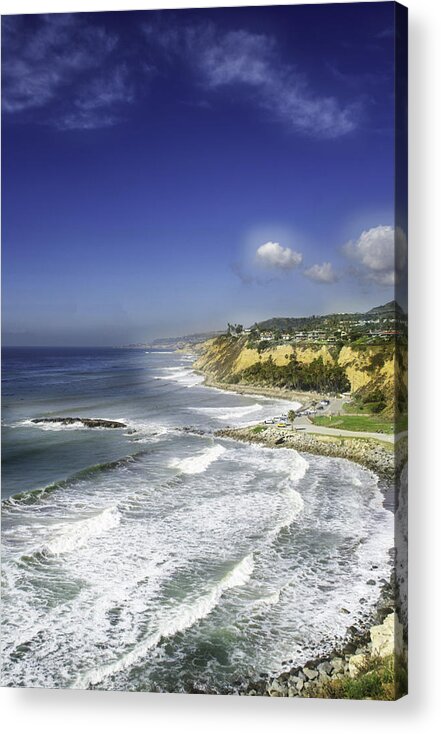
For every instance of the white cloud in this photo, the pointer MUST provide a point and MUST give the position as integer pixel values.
(323, 273)
(64, 70)
(381, 253)
(99, 100)
(273, 255)
(250, 60)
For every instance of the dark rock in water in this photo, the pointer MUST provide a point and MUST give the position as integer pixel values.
(87, 422)
(191, 429)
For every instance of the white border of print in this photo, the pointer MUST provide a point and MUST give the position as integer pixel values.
(50, 711)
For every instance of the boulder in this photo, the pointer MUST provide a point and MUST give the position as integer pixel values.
(277, 688)
(387, 638)
(310, 673)
(338, 665)
(356, 663)
(324, 667)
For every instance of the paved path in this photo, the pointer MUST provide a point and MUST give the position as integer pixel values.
(307, 427)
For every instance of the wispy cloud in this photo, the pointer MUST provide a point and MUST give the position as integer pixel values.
(70, 71)
(53, 65)
(252, 61)
(323, 273)
(99, 101)
(358, 80)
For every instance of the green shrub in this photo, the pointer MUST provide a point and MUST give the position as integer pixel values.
(295, 375)
(381, 679)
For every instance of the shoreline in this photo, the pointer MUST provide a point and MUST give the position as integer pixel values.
(365, 451)
(369, 452)
(304, 398)
(376, 635)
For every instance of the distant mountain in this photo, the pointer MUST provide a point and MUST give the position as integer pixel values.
(392, 309)
(177, 342)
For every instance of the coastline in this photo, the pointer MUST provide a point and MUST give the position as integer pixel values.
(378, 636)
(385, 461)
(368, 452)
(304, 398)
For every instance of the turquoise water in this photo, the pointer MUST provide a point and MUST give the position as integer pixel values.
(152, 558)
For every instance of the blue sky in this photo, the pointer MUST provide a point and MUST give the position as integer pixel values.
(167, 172)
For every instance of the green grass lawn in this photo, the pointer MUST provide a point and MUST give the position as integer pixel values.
(372, 423)
(258, 429)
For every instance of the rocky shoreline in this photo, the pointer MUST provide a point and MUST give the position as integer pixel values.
(368, 452)
(380, 633)
(382, 640)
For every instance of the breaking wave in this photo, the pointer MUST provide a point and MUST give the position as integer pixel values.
(70, 536)
(198, 463)
(181, 620)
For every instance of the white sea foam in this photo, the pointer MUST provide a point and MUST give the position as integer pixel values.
(229, 413)
(294, 506)
(147, 432)
(70, 536)
(182, 375)
(198, 463)
(182, 619)
(273, 598)
(140, 572)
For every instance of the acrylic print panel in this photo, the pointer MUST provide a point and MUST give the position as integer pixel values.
(204, 351)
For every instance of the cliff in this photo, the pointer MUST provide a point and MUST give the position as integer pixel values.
(374, 375)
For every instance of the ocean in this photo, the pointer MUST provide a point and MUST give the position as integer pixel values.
(154, 558)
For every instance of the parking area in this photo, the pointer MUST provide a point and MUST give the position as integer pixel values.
(330, 405)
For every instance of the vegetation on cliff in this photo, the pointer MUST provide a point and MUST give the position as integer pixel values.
(375, 375)
(295, 375)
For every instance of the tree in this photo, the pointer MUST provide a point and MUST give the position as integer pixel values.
(291, 415)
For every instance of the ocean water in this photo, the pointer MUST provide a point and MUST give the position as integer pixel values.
(152, 558)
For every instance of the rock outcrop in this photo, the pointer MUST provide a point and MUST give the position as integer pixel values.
(87, 422)
(369, 453)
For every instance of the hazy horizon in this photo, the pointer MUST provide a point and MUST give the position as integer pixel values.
(170, 335)
(165, 172)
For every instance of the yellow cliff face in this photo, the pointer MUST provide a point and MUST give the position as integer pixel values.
(248, 357)
(370, 370)
(222, 355)
(306, 355)
(362, 366)
(355, 364)
(281, 355)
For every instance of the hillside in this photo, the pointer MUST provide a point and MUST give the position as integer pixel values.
(376, 376)
(389, 311)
